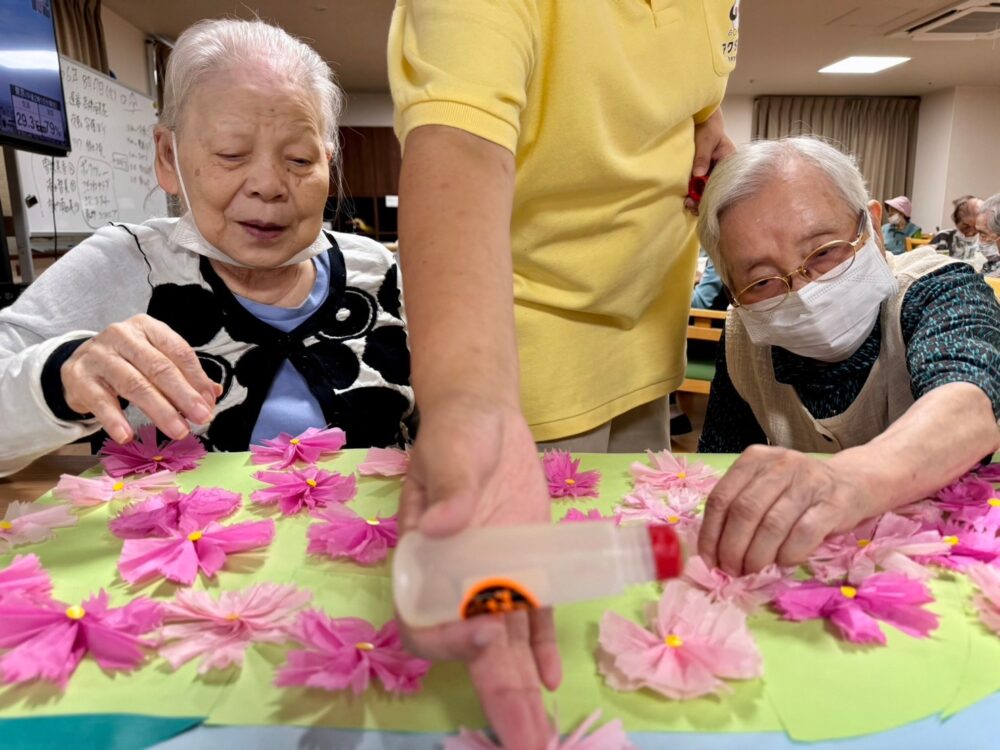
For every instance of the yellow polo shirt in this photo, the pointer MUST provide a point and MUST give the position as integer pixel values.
(597, 100)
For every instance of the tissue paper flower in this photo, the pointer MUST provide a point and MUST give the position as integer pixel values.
(304, 488)
(344, 533)
(161, 515)
(47, 641)
(749, 592)
(889, 543)
(385, 462)
(145, 456)
(856, 611)
(609, 737)
(989, 472)
(669, 472)
(565, 479)
(307, 447)
(347, 652)
(221, 630)
(678, 509)
(967, 491)
(694, 644)
(987, 578)
(967, 547)
(25, 580)
(578, 515)
(27, 523)
(190, 548)
(928, 512)
(83, 491)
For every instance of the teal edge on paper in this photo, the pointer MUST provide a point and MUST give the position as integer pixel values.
(105, 731)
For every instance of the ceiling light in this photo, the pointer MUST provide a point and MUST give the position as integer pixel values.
(863, 64)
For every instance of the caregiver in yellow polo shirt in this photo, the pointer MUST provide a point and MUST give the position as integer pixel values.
(547, 261)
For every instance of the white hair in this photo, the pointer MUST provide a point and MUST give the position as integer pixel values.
(743, 174)
(991, 207)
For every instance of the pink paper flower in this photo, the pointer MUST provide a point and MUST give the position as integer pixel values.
(967, 491)
(346, 653)
(190, 548)
(678, 509)
(221, 630)
(47, 641)
(344, 533)
(28, 523)
(967, 547)
(145, 456)
(989, 472)
(929, 513)
(856, 611)
(609, 737)
(669, 472)
(83, 491)
(694, 644)
(987, 601)
(25, 580)
(308, 447)
(304, 488)
(161, 515)
(565, 478)
(578, 515)
(385, 462)
(749, 592)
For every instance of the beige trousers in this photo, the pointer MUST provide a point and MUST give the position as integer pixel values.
(645, 427)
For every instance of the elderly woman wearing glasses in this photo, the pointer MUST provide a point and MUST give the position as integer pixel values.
(892, 363)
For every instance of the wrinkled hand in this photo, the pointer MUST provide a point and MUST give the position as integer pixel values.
(475, 464)
(711, 144)
(777, 505)
(145, 362)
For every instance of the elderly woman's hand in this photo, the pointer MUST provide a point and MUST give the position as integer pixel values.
(147, 363)
(777, 505)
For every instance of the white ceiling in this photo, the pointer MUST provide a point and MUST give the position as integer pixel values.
(783, 42)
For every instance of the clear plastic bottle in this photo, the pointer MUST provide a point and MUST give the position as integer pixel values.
(502, 568)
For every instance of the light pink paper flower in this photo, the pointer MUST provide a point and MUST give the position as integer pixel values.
(145, 456)
(307, 447)
(161, 515)
(987, 601)
(84, 491)
(609, 737)
(47, 641)
(669, 472)
(190, 548)
(346, 653)
(385, 462)
(694, 644)
(856, 611)
(304, 488)
(221, 630)
(574, 515)
(565, 479)
(29, 523)
(344, 533)
(929, 513)
(677, 508)
(25, 580)
(749, 592)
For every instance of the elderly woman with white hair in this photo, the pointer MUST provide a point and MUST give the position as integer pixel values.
(239, 320)
(891, 363)
(988, 228)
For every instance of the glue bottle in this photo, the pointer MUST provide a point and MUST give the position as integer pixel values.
(497, 569)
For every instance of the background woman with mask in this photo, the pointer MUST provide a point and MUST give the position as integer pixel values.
(898, 225)
(243, 317)
(988, 226)
(891, 363)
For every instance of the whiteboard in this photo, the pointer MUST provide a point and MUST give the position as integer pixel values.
(108, 175)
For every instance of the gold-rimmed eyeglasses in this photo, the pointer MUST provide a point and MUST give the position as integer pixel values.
(825, 263)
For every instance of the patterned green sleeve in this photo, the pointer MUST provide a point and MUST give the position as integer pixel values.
(730, 425)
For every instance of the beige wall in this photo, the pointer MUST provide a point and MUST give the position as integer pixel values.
(126, 51)
(738, 113)
(367, 110)
(930, 175)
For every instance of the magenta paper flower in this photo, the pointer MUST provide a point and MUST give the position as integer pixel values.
(609, 737)
(967, 491)
(190, 548)
(385, 462)
(694, 644)
(307, 447)
(565, 479)
(987, 578)
(989, 472)
(968, 546)
(749, 592)
(578, 515)
(83, 491)
(856, 611)
(161, 515)
(47, 641)
(669, 472)
(25, 580)
(346, 653)
(304, 488)
(145, 455)
(344, 533)
(221, 630)
(28, 523)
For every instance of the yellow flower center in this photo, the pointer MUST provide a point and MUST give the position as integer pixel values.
(674, 641)
(232, 617)
(294, 441)
(864, 543)
(673, 519)
(682, 475)
(364, 646)
(373, 521)
(76, 612)
(311, 482)
(157, 458)
(570, 481)
(194, 536)
(952, 540)
(6, 525)
(118, 486)
(994, 501)
(849, 592)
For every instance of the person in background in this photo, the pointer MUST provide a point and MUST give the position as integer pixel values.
(960, 242)
(708, 294)
(898, 225)
(833, 347)
(988, 227)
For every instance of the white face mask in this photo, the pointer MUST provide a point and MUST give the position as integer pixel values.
(187, 235)
(827, 320)
(989, 250)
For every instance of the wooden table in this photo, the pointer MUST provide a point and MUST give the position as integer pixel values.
(40, 477)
